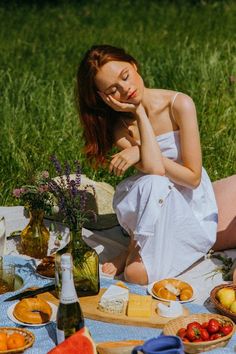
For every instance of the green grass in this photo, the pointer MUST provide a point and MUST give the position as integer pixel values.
(181, 45)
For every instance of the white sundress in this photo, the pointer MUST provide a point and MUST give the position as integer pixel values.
(174, 226)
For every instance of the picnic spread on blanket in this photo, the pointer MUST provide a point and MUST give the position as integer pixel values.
(121, 315)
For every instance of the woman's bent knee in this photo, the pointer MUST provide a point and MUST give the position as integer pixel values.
(136, 273)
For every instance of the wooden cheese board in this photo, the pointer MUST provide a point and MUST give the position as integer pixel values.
(89, 307)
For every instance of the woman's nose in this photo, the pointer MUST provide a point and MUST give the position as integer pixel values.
(124, 88)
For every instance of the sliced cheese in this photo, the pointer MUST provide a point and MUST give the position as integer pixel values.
(139, 306)
(114, 300)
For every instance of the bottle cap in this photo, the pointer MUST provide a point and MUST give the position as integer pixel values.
(66, 260)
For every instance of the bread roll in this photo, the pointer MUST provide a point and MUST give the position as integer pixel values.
(172, 289)
(32, 311)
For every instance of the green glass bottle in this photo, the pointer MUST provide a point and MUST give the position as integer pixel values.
(35, 236)
(85, 266)
(69, 314)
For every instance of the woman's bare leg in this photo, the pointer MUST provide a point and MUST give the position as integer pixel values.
(130, 263)
(225, 192)
(117, 265)
(135, 271)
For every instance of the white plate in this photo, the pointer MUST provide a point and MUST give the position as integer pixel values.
(149, 289)
(12, 317)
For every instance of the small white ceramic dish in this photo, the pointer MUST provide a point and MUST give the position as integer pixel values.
(173, 309)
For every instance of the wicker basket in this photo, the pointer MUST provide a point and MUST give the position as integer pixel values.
(172, 327)
(29, 338)
(218, 305)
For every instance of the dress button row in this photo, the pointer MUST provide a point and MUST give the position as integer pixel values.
(160, 201)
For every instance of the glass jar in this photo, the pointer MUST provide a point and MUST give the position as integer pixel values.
(85, 266)
(35, 236)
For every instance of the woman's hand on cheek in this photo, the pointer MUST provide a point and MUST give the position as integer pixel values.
(117, 105)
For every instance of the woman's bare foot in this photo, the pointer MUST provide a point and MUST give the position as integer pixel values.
(117, 265)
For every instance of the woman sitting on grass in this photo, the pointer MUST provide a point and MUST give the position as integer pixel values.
(169, 207)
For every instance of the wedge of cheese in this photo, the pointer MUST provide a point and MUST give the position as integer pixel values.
(114, 300)
(139, 306)
(121, 284)
(115, 292)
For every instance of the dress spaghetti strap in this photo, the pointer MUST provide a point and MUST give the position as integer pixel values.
(172, 104)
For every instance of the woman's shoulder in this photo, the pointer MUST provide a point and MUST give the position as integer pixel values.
(181, 102)
(182, 107)
(161, 99)
(170, 95)
(176, 100)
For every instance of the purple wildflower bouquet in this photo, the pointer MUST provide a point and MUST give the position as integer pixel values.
(36, 196)
(71, 198)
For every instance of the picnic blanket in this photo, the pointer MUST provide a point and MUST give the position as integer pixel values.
(108, 243)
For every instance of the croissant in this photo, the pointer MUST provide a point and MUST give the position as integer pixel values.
(186, 293)
(172, 289)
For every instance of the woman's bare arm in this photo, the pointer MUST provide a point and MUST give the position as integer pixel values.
(189, 173)
(130, 151)
(150, 153)
(149, 150)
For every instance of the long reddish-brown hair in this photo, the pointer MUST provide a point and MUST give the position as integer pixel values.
(97, 118)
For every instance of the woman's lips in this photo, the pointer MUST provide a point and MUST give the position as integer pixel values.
(132, 95)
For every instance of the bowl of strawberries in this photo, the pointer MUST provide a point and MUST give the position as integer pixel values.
(201, 332)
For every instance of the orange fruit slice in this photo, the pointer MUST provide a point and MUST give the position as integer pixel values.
(3, 341)
(15, 341)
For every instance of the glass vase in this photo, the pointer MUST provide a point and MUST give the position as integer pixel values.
(85, 266)
(35, 236)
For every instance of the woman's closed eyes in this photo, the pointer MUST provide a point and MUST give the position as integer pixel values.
(113, 89)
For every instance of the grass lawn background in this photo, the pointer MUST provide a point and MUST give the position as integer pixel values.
(187, 46)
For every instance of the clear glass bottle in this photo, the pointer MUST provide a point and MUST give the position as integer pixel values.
(69, 314)
(85, 266)
(35, 236)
